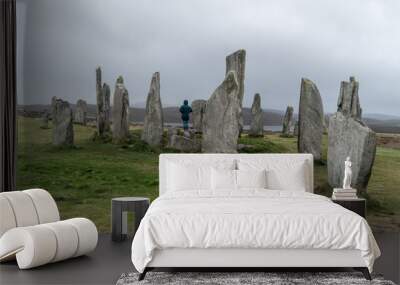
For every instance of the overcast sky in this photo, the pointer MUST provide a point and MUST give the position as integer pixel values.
(61, 42)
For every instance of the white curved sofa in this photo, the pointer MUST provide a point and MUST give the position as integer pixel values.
(31, 230)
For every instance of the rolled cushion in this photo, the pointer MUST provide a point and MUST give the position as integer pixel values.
(7, 218)
(37, 245)
(33, 246)
(87, 234)
(46, 207)
(23, 208)
(67, 240)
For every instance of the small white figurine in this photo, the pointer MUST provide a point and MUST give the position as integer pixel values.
(347, 174)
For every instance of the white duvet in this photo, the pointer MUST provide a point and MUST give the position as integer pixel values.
(250, 219)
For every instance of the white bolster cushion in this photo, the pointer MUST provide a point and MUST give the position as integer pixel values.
(7, 218)
(67, 240)
(37, 245)
(23, 208)
(87, 235)
(33, 246)
(45, 205)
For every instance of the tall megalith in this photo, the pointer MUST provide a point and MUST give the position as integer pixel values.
(221, 118)
(153, 121)
(257, 123)
(349, 136)
(237, 62)
(311, 120)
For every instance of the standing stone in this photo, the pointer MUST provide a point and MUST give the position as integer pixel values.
(103, 105)
(81, 112)
(296, 129)
(311, 120)
(120, 114)
(198, 109)
(63, 130)
(237, 62)
(257, 124)
(326, 123)
(221, 118)
(45, 120)
(287, 122)
(106, 107)
(153, 121)
(349, 102)
(350, 137)
(53, 107)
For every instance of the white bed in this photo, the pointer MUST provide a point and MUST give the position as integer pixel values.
(193, 224)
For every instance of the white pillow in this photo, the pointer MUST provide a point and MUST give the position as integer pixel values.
(223, 179)
(282, 174)
(193, 175)
(251, 178)
(188, 177)
(292, 179)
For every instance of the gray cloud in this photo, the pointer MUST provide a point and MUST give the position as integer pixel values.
(61, 43)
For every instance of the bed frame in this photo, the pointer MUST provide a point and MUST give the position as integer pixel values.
(242, 259)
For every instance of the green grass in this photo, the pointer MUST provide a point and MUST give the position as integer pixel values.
(83, 179)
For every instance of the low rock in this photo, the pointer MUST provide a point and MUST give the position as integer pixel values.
(184, 144)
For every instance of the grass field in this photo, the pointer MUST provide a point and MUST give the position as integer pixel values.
(84, 179)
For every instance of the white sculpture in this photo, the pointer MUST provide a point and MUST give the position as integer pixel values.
(347, 174)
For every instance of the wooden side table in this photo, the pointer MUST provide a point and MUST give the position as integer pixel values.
(119, 218)
(358, 205)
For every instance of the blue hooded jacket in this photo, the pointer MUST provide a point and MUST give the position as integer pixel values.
(185, 110)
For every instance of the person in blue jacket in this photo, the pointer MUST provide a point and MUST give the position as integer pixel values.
(185, 110)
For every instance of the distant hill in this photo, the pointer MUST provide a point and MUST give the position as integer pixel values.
(387, 124)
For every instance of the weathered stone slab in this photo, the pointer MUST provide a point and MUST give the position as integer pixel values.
(53, 107)
(63, 130)
(153, 122)
(107, 107)
(311, 120)
(237, 62)
(198, 109)
(221, 118)
(349, 102)
(350, 137)
(103, 105)
(287, 122)
(80, 112)
(184, 144)
(120, 113)
(296, 129)
(257, 123)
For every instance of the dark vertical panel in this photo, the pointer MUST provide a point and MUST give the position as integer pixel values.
(8, 95)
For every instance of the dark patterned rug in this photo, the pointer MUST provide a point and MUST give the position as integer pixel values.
(229, 278)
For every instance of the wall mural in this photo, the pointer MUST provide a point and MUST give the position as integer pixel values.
(86, 149)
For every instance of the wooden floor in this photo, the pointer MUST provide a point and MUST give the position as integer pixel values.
(110, 260)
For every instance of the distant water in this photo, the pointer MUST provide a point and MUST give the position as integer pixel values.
(246, 127)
